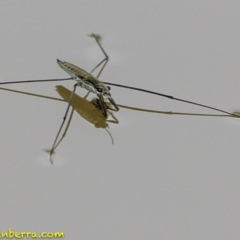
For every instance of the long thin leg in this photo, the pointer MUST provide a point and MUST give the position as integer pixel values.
(64, 119)
(66, 128)
(98, 38)
(173, 98)
(32, 94)
(104, 65)
(35, 81)
(64, 133)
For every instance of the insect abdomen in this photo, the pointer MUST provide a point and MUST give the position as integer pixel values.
(73, 70)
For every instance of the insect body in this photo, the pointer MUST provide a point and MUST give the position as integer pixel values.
(90, 83)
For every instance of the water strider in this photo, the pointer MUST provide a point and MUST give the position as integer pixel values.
(104, 101)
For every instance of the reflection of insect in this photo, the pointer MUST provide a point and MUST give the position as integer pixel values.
(104, 102)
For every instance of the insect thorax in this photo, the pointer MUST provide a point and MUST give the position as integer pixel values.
(86, 84)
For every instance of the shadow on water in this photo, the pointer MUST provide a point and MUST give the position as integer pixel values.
(89, 111)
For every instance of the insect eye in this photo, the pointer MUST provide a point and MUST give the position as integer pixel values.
(108, 88)
(99, 90)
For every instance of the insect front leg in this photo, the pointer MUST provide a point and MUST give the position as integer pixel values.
(103, 105)
(105, 60)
